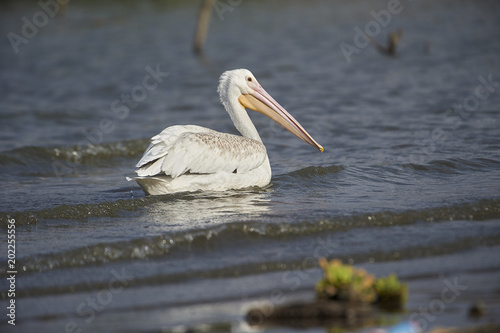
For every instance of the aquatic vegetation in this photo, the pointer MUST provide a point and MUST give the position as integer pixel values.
(347, 283)
(391, 292)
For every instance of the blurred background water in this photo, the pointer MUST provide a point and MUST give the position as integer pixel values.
(409, 181)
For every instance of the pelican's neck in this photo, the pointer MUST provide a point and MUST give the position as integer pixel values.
(239, 115)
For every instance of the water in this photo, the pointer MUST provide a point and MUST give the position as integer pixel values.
(404, 184)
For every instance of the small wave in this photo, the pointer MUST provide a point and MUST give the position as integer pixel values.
(454, 165)
(220, 235)
(79, 211)
(313, 171)
(75, 154)
(309, 175)
(43, 161)
(97, 154)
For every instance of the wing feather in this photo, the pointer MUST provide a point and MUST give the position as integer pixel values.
(194, 149)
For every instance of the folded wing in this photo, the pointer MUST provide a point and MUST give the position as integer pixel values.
(181, 149)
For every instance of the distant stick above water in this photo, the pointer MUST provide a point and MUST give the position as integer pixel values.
(392, 42)
(203, 24)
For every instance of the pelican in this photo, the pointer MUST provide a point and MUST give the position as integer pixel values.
(186, 158)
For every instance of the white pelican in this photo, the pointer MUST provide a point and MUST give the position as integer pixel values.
(193, 158)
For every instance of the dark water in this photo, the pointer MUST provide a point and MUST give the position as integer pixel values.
(409, 181)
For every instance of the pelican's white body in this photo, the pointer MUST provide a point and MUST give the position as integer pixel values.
(199, 158)
(194, 158)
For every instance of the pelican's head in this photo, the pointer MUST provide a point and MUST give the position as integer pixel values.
(242, 84)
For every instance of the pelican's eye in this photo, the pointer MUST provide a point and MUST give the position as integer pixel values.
(249, 79)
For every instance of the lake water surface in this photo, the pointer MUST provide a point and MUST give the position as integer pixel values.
(409, 181)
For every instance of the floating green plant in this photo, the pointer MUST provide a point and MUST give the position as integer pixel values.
(347, 283)
(391, 291)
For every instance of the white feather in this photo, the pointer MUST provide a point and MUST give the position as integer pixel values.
(181, 149)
